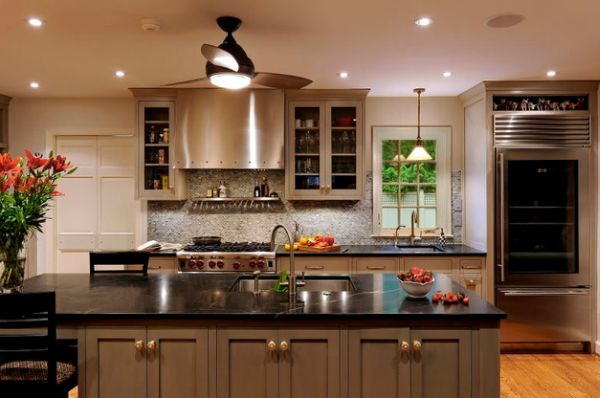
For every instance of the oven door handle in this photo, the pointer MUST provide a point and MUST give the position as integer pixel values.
(502, 215)
(544, 292)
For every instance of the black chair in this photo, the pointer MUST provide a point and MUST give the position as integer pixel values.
(99, 259)
(29, 365)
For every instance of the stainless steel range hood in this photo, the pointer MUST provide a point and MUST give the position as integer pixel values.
(223, 129)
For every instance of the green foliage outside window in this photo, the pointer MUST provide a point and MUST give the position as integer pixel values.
(397, 171)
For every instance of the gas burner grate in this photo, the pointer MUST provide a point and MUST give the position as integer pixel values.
(230, 247)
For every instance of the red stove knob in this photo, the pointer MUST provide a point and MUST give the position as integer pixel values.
(261, 263)
(200, 263)
(236, 265)
(212, 264)
(191, 263)
(220, 263)
(252, 263)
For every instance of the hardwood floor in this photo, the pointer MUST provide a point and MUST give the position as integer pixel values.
(550, 376)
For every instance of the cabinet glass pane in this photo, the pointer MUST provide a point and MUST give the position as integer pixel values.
(343, 181)
(343, 141)
(542, 216)
(307, 141)
(307, 164)
(156, 148)
(343, 117)
(308, 182)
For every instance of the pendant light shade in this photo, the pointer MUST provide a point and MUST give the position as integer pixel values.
(419, 153)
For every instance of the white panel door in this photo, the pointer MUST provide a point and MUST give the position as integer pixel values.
(98, 210)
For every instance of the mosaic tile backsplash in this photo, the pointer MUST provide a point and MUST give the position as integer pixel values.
(349, 221)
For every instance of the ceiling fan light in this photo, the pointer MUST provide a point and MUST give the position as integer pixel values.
(419, 153)
(230, 80)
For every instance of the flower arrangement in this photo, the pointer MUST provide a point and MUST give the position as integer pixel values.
(26, 188)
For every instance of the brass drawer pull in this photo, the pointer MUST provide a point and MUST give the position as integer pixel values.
(271, 346)
(470, 267)
(375, 267)
(284, 346)
(314, 267)
(152, 346)
(139, 345)
(417, 346)
(404, 346)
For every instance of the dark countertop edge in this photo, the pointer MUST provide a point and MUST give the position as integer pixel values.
(347, 317)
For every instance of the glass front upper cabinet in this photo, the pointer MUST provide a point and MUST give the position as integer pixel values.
(324, 150)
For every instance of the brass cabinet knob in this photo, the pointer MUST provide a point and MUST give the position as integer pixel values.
(139, 345)
(417, 346)
(271, 346)
(404, 346)
(284, 346)
(152, 346)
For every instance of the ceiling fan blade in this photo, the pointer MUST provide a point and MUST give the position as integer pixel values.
(220, 57)
(277, 80)
(185, 82)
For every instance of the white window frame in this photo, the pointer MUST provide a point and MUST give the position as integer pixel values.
(442, 135)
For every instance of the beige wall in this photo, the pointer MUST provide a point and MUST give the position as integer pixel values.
(402, 111)
(32, 123)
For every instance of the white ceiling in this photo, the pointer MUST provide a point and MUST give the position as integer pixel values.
(376, 41)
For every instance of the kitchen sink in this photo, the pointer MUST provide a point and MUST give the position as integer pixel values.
(313, 283)
(420, 248)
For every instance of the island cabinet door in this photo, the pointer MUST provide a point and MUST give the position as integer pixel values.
(177, 363)
(441, 363)
(379, 363)
(115, 362)
(309, 363)
(247, 363)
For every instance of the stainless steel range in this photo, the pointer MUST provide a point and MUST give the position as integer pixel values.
(227, 257)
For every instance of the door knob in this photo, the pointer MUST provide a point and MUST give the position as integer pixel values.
(271, 346)
(152, 346)
(284, 346)
(417, 346)
(404, 346)
(139, 345)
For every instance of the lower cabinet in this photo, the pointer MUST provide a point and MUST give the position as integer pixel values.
(146, 362)
(286, 363)
(416, 363)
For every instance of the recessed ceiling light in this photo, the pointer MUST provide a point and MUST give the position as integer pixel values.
(447, 74)
(35, 22)
(551, 73)
(425, 21)
(120, 73)
(504, 21)
(34, 85)
(343, 75)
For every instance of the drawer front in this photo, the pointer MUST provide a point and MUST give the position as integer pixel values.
(318, 264)
(375, 264)
(471, 263)
(435, 264)
(159, 265)
(472, 280)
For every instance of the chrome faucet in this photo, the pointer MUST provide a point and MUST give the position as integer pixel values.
(292, 275)
(414, 219)
(396, 234)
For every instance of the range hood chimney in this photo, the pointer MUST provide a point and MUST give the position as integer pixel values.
(225, 129)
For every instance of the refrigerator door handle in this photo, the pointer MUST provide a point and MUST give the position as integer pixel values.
(502, 248)
(544, 292)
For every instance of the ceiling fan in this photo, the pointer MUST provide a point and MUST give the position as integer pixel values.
(229, 67)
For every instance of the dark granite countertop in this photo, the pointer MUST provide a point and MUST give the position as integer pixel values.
(390, 250)
(207, 296)
(374, 250)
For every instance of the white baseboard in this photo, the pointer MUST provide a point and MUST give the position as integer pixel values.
(597, 347)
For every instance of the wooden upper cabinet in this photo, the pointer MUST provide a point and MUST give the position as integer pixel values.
(4, 100)
(324, 150)
(156, 132)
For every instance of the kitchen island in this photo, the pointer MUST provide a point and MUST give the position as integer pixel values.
(198, 335)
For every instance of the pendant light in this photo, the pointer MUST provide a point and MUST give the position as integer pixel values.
(419, 152)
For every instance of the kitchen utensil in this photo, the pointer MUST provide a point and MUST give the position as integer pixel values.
(344, 121)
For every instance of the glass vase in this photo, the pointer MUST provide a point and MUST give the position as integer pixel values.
(12, 264)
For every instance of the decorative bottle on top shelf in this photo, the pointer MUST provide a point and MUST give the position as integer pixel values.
(165, 136)
(222, 190)
(264, 188)
(152, 135)
(256, 189)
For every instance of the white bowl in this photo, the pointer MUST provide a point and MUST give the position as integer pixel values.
(416, 289)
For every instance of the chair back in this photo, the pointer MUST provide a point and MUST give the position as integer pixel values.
(99, 259)
(28, 331)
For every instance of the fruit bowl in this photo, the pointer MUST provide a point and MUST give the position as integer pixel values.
(417, 289)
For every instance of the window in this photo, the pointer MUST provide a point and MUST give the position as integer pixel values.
(401, 187)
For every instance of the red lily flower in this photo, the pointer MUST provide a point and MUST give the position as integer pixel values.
(60, 164)
(7, 163)
(35, 161)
